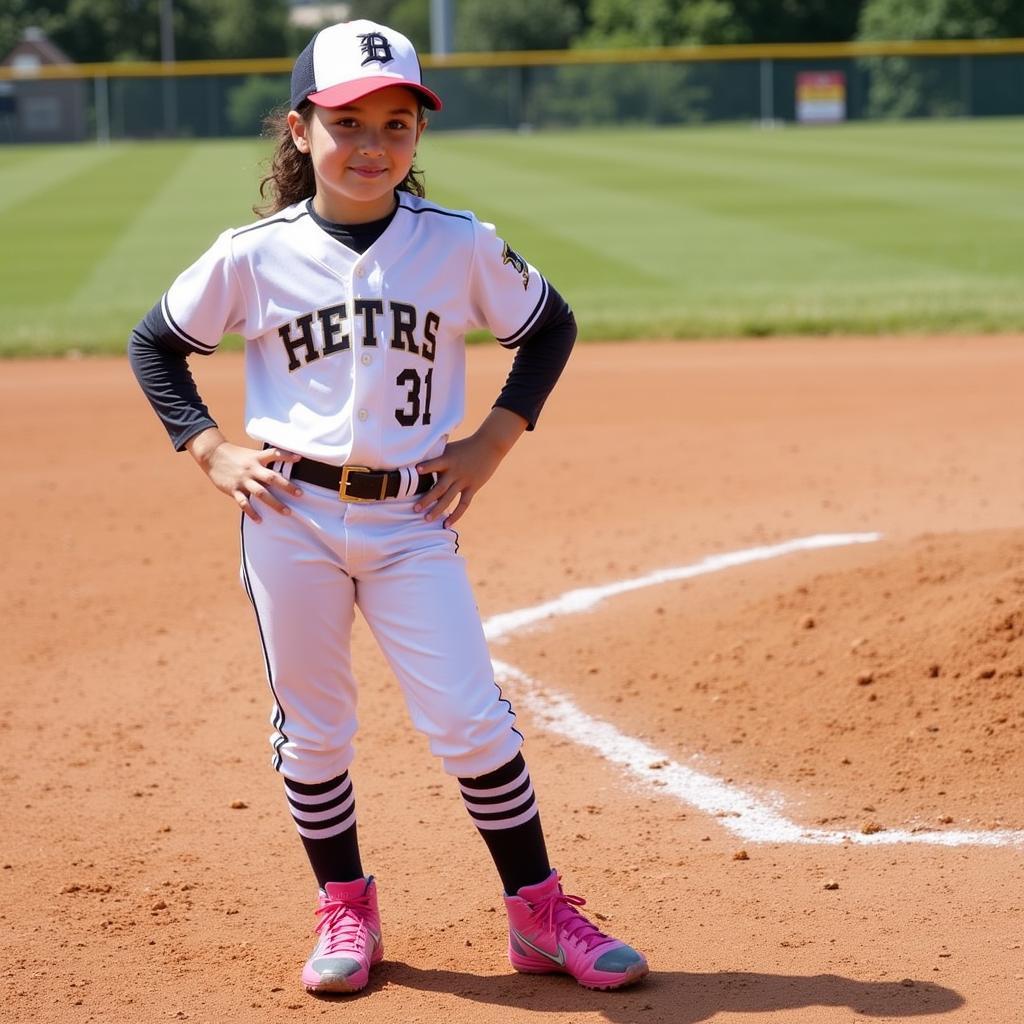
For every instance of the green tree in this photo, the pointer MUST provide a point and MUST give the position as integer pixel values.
(707, 22)
(109, 30)
(662, 93)
(798, 21)
(410, 17)
(95, 30)
(251, 101)
(250, 28)
(941, 19)
(484, 25)
(713, 23)
(920, 86)
(615, 23)
(502, 96)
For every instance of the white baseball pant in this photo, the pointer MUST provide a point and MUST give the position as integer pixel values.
(306, 573)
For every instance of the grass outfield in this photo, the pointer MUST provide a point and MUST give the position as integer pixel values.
(690, 232)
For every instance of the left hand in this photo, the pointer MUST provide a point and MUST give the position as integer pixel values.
(466, 465)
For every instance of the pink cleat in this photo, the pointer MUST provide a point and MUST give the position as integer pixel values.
(547, 934)
(349, 942)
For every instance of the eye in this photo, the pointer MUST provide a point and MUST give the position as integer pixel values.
(346, 122)
(397, 125)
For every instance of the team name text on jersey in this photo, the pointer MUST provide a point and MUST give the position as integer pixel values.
(328, 331)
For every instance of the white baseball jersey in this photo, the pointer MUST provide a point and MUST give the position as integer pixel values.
(356, 358)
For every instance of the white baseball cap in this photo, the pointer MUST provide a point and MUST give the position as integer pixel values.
(344, 62)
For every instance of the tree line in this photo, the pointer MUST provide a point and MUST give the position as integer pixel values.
(111, 30)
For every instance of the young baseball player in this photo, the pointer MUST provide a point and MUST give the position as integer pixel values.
(354, 295)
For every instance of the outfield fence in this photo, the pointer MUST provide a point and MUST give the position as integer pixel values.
(541, 89)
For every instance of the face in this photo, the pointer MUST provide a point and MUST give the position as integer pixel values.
(360, 152)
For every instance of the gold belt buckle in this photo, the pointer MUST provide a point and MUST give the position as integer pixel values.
(346, 472)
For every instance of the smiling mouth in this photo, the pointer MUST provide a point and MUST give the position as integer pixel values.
(370, 172)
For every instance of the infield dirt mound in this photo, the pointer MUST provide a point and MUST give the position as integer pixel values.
(884, 692)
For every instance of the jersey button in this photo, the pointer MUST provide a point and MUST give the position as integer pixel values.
(360, 272)
(367, 359)
(364, 415)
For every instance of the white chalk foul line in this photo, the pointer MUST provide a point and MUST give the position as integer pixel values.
(754, 819)
(585, 598)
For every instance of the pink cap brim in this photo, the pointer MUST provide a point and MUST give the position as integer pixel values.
(348, 92)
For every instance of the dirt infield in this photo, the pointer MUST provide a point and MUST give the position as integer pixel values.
(866, 699)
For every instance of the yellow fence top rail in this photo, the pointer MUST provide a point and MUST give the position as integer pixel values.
(521, 58)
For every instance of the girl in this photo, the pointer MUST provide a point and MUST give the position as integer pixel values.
(354, 295)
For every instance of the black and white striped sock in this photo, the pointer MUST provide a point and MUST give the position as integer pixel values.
(325, 817)
(503, 807)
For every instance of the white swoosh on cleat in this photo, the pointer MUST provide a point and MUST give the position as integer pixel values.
(556, 958)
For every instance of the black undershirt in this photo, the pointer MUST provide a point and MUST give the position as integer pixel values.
(357, 237)
(159, 357)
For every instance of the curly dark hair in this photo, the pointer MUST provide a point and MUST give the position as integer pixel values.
(290, 177)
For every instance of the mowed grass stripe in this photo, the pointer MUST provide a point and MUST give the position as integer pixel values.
(650, 159)
(671, 232)
(934, 146)
(931, 226)
(827, 158)
(782, 257)
(31, 170)
(669, 227)
(547, 231)
(533, 201)
(996, 141)
(64, 230)
(213, 184)
(870, 171)
(529, 212)
(745, 255)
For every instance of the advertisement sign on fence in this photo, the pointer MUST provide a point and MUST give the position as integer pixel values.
(820, 97)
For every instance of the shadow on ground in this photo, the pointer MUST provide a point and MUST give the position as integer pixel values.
(679, 997)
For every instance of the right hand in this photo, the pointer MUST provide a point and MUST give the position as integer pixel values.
(243, 474)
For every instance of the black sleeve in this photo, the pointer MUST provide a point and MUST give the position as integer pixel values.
(159, 359)
(539, 361)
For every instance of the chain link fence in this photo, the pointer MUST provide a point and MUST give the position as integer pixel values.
(542, 90)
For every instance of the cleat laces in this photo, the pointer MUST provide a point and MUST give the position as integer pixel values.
(342, 925)
(559, 914)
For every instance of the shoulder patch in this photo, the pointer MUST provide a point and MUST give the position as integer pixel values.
(511, 258)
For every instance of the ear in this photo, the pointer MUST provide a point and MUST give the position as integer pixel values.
(298, 128)
(421, 123)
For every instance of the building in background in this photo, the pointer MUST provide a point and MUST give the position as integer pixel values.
(312, 14)
(34, 109)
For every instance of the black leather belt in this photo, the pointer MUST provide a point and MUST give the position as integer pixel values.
(357, 483)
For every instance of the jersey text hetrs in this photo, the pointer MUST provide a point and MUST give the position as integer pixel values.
(328, 331)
